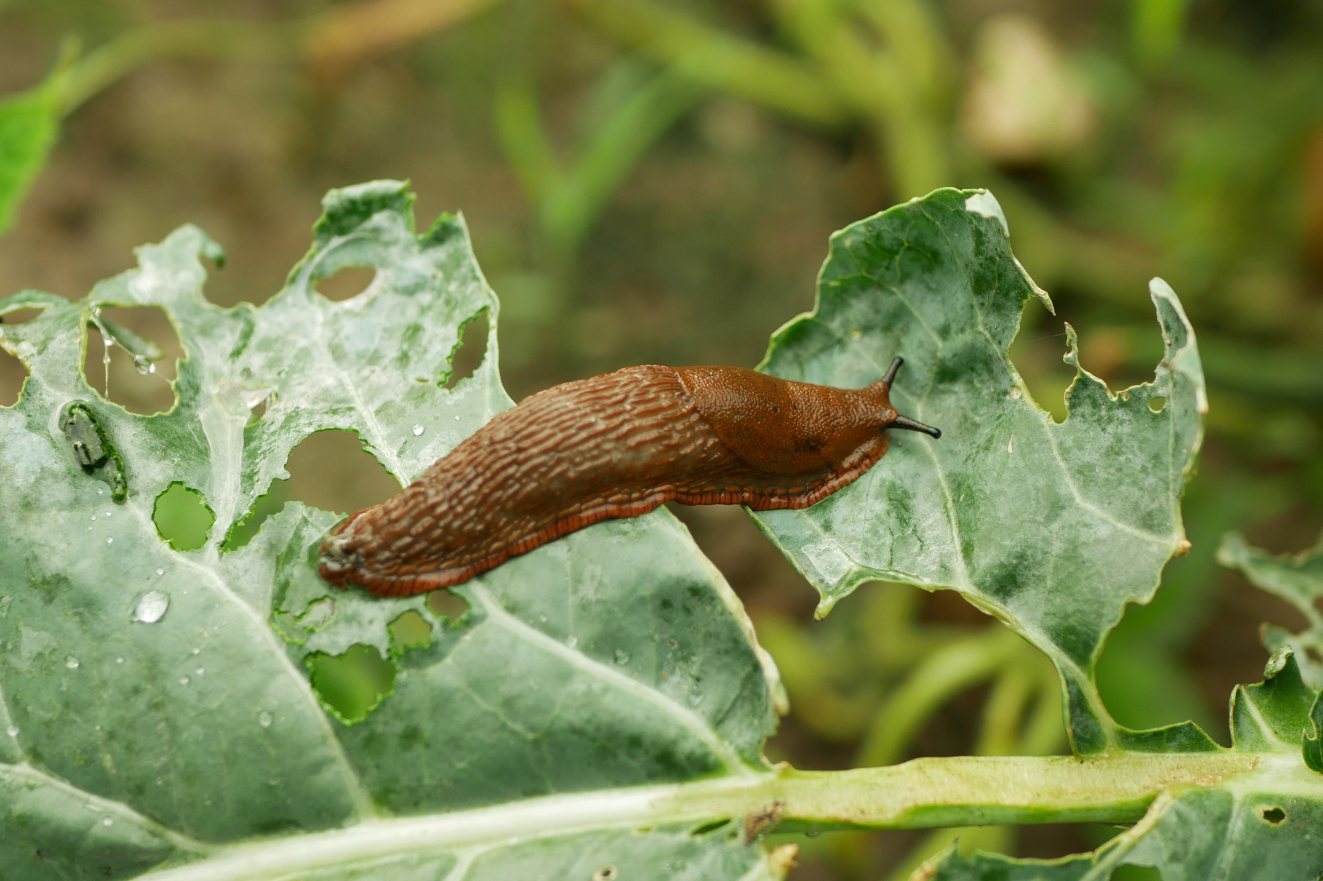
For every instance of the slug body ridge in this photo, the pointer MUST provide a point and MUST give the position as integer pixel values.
(616, 445)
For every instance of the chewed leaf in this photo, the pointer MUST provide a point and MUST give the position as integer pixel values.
(1298, 579)
(158, 696)
(1051, 528)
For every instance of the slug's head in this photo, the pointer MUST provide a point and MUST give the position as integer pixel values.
(339, 556)
(905, 422)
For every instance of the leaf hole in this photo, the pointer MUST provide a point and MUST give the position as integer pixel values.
(348, 282)
(133, 357)
(351, 684)
(469, 351)
(331, 470)
(182, 518)
(708, 828)
(20, 316)
(1272, 815)
(606, 873)
(1157, 403)
(12, 377)
(266, 506)
(409, 631)
(449, 606)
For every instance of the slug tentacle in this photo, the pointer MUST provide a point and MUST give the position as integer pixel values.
(614, 446)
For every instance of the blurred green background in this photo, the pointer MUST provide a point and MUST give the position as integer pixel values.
(655, 181)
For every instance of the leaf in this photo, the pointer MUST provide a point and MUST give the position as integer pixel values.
(29, 124)
(151, 715)
(1298, 579)
(1260, 826)
(1051, 528)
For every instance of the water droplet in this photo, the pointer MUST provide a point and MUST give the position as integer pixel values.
(417, 430)
(106, 821)
(108, 513)
(119, 660)
(183, 680)
(197, 651)
(252, 397)
(160, 571)
(151, 607)
(101, 490)
(264, 719)
(110, 541)
(1015, 393)
(71, 663)
(12, 731)
(199, 671)
(572, 641)
(622, 657)
(542, 618)
(89, 529)
(93, 516)
(142, 364)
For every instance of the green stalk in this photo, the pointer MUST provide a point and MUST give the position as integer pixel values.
(188, 38)
(719, 60)
(924, 793)
(943, 674)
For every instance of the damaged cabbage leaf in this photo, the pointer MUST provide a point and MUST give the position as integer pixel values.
(1298, 579)
(157, 706)
(1051, 528)
(1262, 826)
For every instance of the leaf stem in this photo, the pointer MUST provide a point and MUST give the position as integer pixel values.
(924, 793)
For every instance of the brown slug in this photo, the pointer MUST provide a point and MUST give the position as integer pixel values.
(616, 445)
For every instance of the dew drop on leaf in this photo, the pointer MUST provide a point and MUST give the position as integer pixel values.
(199, 671)
(183, 680)
(106, 821)
(264, 719)
(572, 641)
(417, 430)
(71, 663)
(151, 607)
(12, 731)
(110, 541)
(622, 657)
(119, 660)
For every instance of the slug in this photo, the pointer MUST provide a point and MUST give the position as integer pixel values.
(616, 445)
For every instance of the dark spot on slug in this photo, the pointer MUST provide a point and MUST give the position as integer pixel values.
(693, 435)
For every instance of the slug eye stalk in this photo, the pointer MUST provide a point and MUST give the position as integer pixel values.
(909, 424)
(906, 422)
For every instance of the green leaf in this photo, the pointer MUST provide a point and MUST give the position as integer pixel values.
(978, 866)
(156, 704)
(1258, 826)
(1050, 528)
(29, 124)
(1298, 579)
